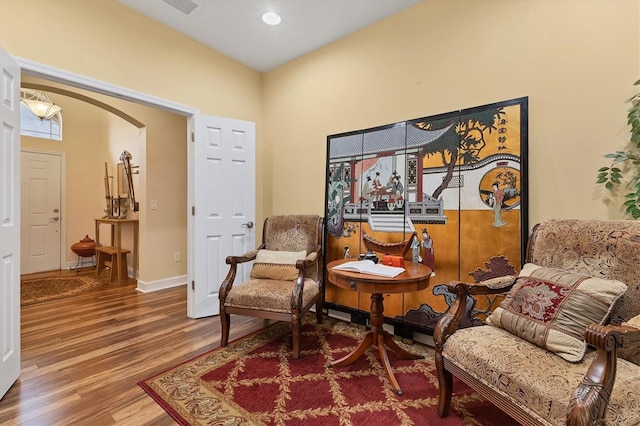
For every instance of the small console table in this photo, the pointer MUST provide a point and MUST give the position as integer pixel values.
(116, 240)
(414, 278)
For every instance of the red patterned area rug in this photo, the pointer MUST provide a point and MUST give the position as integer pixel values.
(255, 381)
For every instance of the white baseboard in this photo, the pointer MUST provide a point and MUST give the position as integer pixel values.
(343, 316)
(146, 287)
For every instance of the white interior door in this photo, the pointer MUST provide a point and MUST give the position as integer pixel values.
(9, 222)
(222, 181)
(40, 212)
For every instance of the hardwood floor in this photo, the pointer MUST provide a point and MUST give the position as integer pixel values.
(82, 356)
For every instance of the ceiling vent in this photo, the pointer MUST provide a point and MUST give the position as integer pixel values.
(184, 6)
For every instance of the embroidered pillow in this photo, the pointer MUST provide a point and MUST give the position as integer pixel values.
(277, 265)
(552, 308)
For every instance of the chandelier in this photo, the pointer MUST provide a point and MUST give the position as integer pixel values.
(39, 103)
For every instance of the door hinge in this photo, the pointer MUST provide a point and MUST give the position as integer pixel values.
(193, 285)
(193, 137)
(193, 210)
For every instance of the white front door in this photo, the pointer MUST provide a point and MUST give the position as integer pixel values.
(222, 181)
(40, 212)
(9, 222)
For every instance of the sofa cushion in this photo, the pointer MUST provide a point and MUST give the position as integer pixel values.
(552, 308)
(277, 265)
(536, 379)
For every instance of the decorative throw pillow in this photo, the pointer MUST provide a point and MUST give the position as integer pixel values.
(277, 265)
(552, 308)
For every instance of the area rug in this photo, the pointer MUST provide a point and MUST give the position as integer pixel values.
(255, 381)
(44, 289)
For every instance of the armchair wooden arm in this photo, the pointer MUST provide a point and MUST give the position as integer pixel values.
(247, 257)
(450, 320)
(309, 260)
(449, 324)
(302, 265)
(233, 261)
(590, 399)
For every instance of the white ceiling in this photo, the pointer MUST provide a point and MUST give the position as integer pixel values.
(235, 27)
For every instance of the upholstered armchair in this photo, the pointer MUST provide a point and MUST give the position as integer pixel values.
(563, 347)
(286, 277)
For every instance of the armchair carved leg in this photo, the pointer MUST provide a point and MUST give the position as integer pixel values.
(445, 383)
(296, 327)
(319, 304)
(225, 323)
(446, 326)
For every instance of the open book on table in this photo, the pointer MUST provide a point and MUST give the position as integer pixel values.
(369, 267)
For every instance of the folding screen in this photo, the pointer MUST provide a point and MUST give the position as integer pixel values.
(452, 186)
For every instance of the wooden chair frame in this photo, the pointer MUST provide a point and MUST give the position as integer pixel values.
(588, 401)
(298, 310)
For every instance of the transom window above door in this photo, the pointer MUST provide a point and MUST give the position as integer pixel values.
(47, 124)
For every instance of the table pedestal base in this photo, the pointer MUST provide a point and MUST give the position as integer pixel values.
(379, 337)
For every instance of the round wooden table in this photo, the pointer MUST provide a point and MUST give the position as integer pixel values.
(414, 278)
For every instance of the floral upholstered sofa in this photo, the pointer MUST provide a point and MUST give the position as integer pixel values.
(563, 347)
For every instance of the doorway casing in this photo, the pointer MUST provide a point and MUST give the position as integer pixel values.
(82, 82)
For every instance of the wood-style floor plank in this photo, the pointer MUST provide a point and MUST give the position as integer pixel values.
(82, 356)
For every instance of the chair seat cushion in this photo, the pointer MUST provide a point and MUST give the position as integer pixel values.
(535, 378)
(269, 295)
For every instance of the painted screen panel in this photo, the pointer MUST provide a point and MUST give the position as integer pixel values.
(450, 189)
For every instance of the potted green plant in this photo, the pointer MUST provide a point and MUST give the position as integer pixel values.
(612, 177)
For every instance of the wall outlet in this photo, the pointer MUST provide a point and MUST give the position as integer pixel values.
(176, 256)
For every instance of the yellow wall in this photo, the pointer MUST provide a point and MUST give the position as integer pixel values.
(166, 182)
(575, 60)
(107, 41)
(104, 40)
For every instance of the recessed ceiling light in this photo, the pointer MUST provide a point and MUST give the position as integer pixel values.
(271, 18)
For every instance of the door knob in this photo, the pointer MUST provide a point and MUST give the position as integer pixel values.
(55, 218)
(248, 224)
